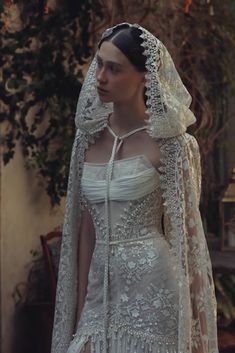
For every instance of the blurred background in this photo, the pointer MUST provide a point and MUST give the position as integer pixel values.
(45, 50)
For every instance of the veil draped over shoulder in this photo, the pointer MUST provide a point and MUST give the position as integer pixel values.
(167, 104)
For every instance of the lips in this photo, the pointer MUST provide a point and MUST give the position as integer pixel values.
(101, 90)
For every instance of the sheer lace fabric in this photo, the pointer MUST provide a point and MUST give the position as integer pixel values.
(143, 293)
(178, 183)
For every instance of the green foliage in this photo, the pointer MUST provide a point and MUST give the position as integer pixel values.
(202, 44)
(41, 79)
(42, 74)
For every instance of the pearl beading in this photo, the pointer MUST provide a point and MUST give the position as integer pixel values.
(118, 141)
(129, 240)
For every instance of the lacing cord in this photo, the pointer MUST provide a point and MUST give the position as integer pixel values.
(116, 147)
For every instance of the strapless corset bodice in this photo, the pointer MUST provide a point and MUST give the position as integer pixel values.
(134, 196)
(132, 178)
(130, 273)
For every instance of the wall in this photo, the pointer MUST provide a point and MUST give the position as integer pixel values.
(25, 213)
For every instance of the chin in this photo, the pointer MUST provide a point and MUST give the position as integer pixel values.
(105, 99)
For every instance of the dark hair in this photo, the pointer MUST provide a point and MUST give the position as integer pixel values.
(127, 39)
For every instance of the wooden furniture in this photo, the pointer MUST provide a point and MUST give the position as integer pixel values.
(223, 262)
(33, 317)
(51, 250)
(32, 330)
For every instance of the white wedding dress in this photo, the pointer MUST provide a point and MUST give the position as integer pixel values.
(132, 295)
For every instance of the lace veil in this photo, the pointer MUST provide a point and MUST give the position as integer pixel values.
(167, 104)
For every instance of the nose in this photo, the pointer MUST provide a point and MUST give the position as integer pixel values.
(101, 75)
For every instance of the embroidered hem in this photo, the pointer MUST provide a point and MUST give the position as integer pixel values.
(123, 341)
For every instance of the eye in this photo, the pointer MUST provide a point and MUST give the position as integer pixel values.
(114, 69)
(99, 63)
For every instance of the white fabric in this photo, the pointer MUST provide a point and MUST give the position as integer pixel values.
(179, 186)
(118, 141)
(125, 188)
(141, 268)
(168, 100)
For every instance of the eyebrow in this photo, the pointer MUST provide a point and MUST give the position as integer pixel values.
(108, 61)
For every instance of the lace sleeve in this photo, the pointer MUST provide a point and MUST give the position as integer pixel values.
(85, 250)
(199, 265)
(184, 231)
(66, 293)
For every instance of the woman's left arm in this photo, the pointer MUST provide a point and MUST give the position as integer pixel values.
(203, 303)
(181, 184)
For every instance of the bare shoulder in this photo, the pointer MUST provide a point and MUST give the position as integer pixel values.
(99, 150)
(146, 145)
(140, 143)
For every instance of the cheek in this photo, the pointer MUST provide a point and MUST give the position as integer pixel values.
(130, 85)
(125, 82)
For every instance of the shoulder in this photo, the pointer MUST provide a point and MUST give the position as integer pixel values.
(190, 140)
(180, 141)
(178, 147)
(80, 141)
(79, 137)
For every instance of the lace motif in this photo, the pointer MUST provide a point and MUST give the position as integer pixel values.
(183, 231)
(168, 100)
(135, 214)
(142, 288)
(197, 331)
(169, 115)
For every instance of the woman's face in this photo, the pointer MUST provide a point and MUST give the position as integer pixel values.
(116, 78)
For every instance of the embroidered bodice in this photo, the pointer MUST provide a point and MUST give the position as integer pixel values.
(140, 274)
(131, 271)
(146, 292)
(133, 195)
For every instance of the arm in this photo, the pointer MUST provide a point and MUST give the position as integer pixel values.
(200, 272)
(85, 250)
(184, 231)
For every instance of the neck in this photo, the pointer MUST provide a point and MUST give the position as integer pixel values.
(127, 116)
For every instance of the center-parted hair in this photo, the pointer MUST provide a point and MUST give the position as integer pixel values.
(128, 40)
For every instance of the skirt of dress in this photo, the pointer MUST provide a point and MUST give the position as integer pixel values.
(142, 302)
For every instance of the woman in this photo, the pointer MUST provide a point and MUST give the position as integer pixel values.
(135, 274)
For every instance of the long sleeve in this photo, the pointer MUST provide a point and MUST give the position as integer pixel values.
(66, 294)
(199, 265)
(183, 228)
(85, 250)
